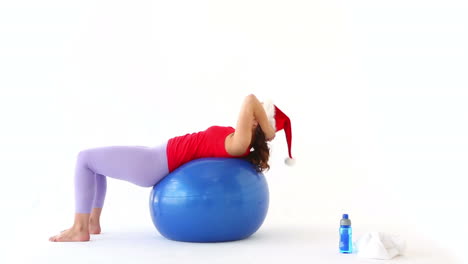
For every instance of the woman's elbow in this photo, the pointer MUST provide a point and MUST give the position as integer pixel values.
(251, 97)
(250, 100)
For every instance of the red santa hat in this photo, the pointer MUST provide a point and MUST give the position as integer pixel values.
(280, 121)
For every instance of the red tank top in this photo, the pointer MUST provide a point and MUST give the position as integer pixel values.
(204, 144)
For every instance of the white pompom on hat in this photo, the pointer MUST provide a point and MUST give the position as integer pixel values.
(280, 121)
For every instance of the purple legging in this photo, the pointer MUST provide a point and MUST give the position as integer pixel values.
(141, 165)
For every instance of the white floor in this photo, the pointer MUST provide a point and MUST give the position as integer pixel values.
(276, 242)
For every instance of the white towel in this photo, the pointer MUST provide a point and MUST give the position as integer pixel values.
(379, 245)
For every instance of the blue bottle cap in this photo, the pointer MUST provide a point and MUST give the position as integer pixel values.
(345, 216)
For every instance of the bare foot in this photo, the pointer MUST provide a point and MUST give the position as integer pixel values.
(71, 235)
(94, 229)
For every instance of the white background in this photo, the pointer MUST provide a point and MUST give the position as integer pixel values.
(376, 92)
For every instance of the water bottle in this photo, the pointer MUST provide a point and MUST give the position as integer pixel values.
(346, 241)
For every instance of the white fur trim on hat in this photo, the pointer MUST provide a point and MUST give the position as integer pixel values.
(289, 161)
(270, 112)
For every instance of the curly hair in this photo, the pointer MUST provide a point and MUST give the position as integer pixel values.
(261, 152)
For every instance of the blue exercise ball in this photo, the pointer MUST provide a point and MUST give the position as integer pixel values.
(210, 200)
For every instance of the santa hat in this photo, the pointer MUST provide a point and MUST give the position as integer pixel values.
(279, 121)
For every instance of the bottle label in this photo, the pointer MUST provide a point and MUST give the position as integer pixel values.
(345, 240)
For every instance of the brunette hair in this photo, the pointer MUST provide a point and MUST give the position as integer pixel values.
(261, 152)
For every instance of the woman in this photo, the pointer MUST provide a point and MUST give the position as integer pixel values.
(145, 166)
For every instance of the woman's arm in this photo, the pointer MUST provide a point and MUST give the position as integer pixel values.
(251, 111)
(261, 117)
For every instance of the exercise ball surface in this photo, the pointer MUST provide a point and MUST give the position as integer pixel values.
(210, 200)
